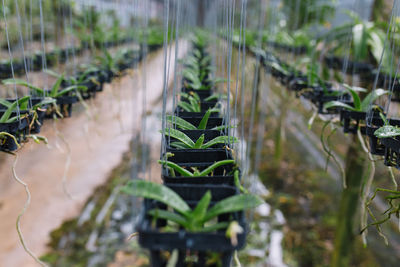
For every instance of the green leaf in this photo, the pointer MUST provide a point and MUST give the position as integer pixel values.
(186, 107)
(45, 101)
(181, 123)
(360, 41)
(200, 211)
(223, 127)
(146, 189)
(179, 145)
(199, 142)
(170, 216)
(52, 73)
(214, 227)
(56, 86)
(355, 96)
(204, 120)
(23, 83)
(233, 204)
(6, 115)
(371, 97)
(176, 167)
(338, 104)
(217, 164)
(68, 89)
(180, 136)
(220, 140)
(5, 103)
(195, 104)
(215, 97)
(387, 131)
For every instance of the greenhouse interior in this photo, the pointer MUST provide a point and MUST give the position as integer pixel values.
(215, 133)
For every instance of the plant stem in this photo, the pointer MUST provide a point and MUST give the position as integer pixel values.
(349, 203)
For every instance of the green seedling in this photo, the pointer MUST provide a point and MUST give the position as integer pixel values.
(198, 219)
(184, 141)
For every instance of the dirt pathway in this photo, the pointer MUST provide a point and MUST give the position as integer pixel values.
(97, 146)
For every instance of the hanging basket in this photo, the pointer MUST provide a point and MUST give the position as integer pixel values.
(376, 145)
(392, 151)
(187, 243)
(19, 129)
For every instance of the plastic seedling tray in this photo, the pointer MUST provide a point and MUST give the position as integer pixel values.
(198, 157)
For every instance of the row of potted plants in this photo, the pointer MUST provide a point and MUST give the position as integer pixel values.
(355, 113)
(196, 218)
(152, 38)
(23, 117)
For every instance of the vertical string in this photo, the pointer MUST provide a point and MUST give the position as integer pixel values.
(44, 63)
(164, 105)
(11, 60)
(144, 83)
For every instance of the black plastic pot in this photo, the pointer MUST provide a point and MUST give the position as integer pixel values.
(185, 242)
(65, 105)
(320, 97)
(18, 129)
(376, 146)
(198, 157)
(392, 151)
(351, 120)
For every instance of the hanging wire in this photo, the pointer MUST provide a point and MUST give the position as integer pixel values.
(21, 42)
(255, 81)
(165, 75)
(11, 60)
(370, 109)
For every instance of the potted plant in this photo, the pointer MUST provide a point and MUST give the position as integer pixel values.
(64, 97)
(386, 140)
(35, 108)
(194, 226)
(352, 114)
(221, 172)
